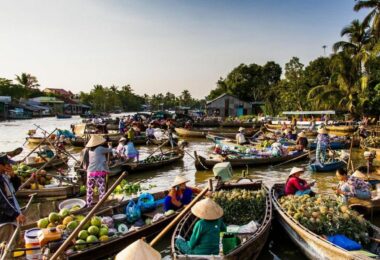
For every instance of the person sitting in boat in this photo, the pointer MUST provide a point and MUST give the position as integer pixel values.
(10, 211)
(240, 138)
(120, 149)
(312, 123)
(46, 152)
(351, 186)
(301, 142)
(276, 149)
(131, 133)
(283, 126)
(323, 143)
(363, 132)
(218, 149)
(149, 132)
(131, 151)
(179, 194)
(297, 186)
(188, 125)
(95, 163)
(205, 237)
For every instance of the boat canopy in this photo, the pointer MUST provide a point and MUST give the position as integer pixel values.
(322, 112)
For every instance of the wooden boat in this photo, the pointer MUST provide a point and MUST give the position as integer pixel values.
(63, 192)
(311, 244)
(327, 167)
(254, 243)
(35, 140)
(203, 133)
(57, 161)
(274, 128)
(334, 145)
(202, 163)
(237, 124)
(63, 116)
(114, 138)
(183, 132)
(341, 128)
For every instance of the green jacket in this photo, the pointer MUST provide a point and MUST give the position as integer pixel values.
(205, 237)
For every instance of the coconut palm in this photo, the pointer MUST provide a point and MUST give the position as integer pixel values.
(27, 81)
(373, 16)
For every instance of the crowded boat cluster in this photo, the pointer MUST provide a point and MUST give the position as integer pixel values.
(99, 213)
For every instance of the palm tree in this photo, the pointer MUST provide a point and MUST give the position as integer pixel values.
(373, 16)
(27, 81)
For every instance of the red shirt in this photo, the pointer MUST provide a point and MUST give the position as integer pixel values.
(295, 184)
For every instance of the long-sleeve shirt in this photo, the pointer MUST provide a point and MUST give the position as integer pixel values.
(98, 160)
(295, 184)
(205, 237)
(354, 184)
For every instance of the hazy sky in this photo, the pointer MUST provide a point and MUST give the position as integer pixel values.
(160, 45)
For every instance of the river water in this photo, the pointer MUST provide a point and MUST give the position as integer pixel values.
(279, 246)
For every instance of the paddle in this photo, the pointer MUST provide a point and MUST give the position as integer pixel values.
(17, 230)
(349, 158)
(74, 234)
(294, 159)
(158, 148)
(35, 148)
(179, 216)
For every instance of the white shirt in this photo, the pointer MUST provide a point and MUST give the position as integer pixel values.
(240, 138)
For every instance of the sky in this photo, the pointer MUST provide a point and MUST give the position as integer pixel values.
(161, 46)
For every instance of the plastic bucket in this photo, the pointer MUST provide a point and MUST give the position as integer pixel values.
(31, 240)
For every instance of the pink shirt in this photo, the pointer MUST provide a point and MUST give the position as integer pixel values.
(295, 184)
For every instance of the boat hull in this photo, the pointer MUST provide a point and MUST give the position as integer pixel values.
(328, 167)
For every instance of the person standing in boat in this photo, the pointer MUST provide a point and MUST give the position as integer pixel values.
(351, 186)
(120, 149)
(295, 185)
(97, 168)
(240, 137)
(205, 237)
(301, 142)
(131, 133)
(149, 132)
(179, 194)
(121, 126)
(131, 151)
(323, 142)
(10, 211)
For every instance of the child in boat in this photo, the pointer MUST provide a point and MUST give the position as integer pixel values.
(179, 195)
(206, 232)
(351, 186)
(295, 185)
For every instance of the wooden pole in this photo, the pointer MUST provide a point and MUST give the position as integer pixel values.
(157, 149)
(74, 234)
(349, 158)
(179, 216)
(35, 148)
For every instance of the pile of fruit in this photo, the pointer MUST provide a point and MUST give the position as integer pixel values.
(156, 158)
(372, 141)
(326, 216)
(24, 172)
(267, 143)
(92, 232)
(241, 206)
(129, 188)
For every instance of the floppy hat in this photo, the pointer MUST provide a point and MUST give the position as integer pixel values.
(301, 134)
(322, 131)
(207, 209)
(179, 180)
(138, 250)
(95, 140)
(241, 129)
(123, 139)
(296, 170)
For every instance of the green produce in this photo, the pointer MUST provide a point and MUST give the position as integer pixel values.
(82, 190)
(54, 217)
(104, 238)
(92, 239)
(93, 230)
(326, 216)
(79, 218)
(372, 141)
(148, 221)
(241, 206)
(64, 213)
(72, 225)
(128, 188)
(83, 234)
(103, 232)
(80, 244)
(43, 223)
(67, 220)
(169, 212)
(96, 221)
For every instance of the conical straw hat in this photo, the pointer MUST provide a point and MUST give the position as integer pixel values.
(295, 170)
(95, 140)
(207, 209)
(179, 180)
(302, 134)
(138, 250)
(322, 131)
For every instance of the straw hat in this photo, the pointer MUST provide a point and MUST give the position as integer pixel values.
(207, 209)
(95, 140)
(138, 250)
(296, 170)
(322, 131)
(241, 129)
(123, 139)
(287, 131)
(302, 134)
(179, 180)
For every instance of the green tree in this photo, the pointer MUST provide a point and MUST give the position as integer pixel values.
(374, 15)
(27, 80)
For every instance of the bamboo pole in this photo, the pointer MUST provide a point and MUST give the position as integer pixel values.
(179, 216)
(158, 148)
(349, 158)
(74, 234)
(35, 148)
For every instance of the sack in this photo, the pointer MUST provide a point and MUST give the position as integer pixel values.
(132, 211)
(344, 242)
(146, 202)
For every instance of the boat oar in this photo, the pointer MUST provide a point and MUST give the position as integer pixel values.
(158, 148)
(74, 234)
(32, 177)
(17, 230)
(294, 159)
(179, 216)
(35, 148)
(349, 158)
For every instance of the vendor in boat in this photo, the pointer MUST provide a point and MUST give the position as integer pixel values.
(149, 132)
(46, 152)
(179, 195)
(301, 142)
(312, 123)
(10, 211)
(351, 186)
(205, 237)
(131, 151)
(362, 131)
(295, 185)
(131, 133)
(120, 149)
(97, 166)
(240, 137)
(218, 149)
(121, 126)
(188, 125)
(323, 142)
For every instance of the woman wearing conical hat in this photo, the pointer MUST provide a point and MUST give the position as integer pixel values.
(323, 142)
(301, 142)
(206, 232)
(97, 167)
(138, 250)
(179, 194)
(295, 185)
